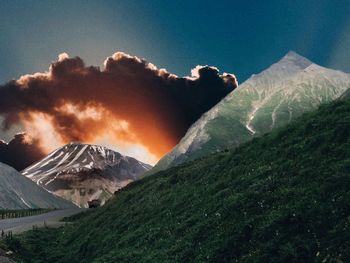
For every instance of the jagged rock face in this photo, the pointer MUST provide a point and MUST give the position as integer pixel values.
(18, 192)
(266, 101)
(83, 172)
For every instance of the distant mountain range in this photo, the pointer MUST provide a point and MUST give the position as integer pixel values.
(18, 192)
(82, 172)
(268, 100)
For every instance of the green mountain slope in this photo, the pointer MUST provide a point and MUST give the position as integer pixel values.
(284, 197)
(264, 102)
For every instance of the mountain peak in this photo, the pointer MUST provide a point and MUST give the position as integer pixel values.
(75, 143)
(294, 58)
(82, 172)
(292, 53)
(289, 65)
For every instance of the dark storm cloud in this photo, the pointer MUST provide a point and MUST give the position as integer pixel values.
(158, 106)
(19, 152)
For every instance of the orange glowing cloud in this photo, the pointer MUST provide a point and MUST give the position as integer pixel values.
(130, 105)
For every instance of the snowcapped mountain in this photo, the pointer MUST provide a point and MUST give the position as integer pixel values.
(265, 101)
(18, 192)
(82, 172)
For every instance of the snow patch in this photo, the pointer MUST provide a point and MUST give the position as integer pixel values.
(24, 202)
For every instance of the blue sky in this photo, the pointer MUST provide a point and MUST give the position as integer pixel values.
(241, 37)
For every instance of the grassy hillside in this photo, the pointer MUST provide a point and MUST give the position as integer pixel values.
(284, 197)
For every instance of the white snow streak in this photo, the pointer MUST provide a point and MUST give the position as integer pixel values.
(24, 202)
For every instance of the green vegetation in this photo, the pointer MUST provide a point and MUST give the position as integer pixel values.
(4, 214)
(79, 216)
(284, 197)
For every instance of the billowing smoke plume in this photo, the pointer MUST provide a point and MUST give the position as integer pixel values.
(130, 103)
(20, 152)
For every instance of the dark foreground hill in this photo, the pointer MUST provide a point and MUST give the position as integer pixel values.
(284, 197)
